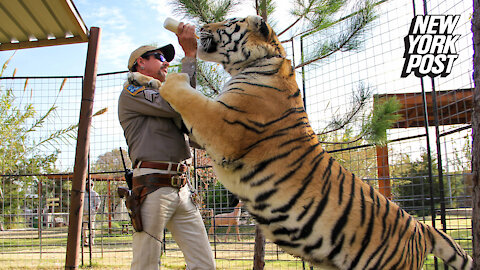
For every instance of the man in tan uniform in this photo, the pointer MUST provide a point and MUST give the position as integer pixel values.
(157, 148)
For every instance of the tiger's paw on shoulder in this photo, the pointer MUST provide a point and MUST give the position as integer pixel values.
(137, 78)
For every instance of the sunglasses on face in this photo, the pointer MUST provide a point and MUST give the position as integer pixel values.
(157, 55)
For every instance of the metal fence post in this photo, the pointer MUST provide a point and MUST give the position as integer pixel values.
(476, 136)
(39, 212)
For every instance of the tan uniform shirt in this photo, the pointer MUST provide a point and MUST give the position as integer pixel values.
(150, 125)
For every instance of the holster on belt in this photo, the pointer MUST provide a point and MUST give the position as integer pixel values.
(133, 204)
(142, 186)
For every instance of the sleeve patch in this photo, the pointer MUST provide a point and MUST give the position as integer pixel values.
(134, 90)
(150, 95)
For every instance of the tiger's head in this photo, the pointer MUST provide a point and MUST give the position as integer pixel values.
(237, 42)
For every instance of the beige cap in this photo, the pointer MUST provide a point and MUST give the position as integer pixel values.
(167, 50)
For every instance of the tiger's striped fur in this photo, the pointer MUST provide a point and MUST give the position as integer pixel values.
(264, 150)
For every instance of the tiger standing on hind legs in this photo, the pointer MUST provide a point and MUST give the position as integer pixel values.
(264, 151)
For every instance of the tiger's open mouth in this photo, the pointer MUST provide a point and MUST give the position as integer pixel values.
(207, 42)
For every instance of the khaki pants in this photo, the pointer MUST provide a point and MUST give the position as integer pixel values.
(173, 209)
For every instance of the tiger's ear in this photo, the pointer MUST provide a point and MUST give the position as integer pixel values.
(257, 23)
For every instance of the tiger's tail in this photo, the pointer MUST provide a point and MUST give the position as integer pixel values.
(445, 248)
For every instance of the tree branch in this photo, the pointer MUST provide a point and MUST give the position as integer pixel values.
(340, 47)
(209, 83)
(291, 25)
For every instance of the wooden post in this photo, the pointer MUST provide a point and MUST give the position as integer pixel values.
(476, 135)
(259, 253)
(81, 154)
(383, 170)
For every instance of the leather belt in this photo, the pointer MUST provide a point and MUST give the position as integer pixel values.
(178, 167)
(158, 180)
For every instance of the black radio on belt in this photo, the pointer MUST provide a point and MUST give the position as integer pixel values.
(128, 178)
(128, 172)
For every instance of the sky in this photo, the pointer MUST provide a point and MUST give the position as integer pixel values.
(125, 25)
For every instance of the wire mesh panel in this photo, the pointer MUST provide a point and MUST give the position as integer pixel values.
(38, 117)
(112, 229)
(426, 164)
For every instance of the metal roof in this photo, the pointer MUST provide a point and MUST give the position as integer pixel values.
(38, 23)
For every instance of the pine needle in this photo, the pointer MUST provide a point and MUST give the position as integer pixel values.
(203, 11)
(385, 114)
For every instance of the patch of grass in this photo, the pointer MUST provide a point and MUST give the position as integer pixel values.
(20, 249)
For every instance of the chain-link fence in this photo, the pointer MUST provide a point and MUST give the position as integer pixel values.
(426, 165)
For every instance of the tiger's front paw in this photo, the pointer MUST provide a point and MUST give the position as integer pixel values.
(154, 84)
(137, 78)
(174, 84)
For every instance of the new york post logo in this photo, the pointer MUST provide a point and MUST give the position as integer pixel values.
(430, 46)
